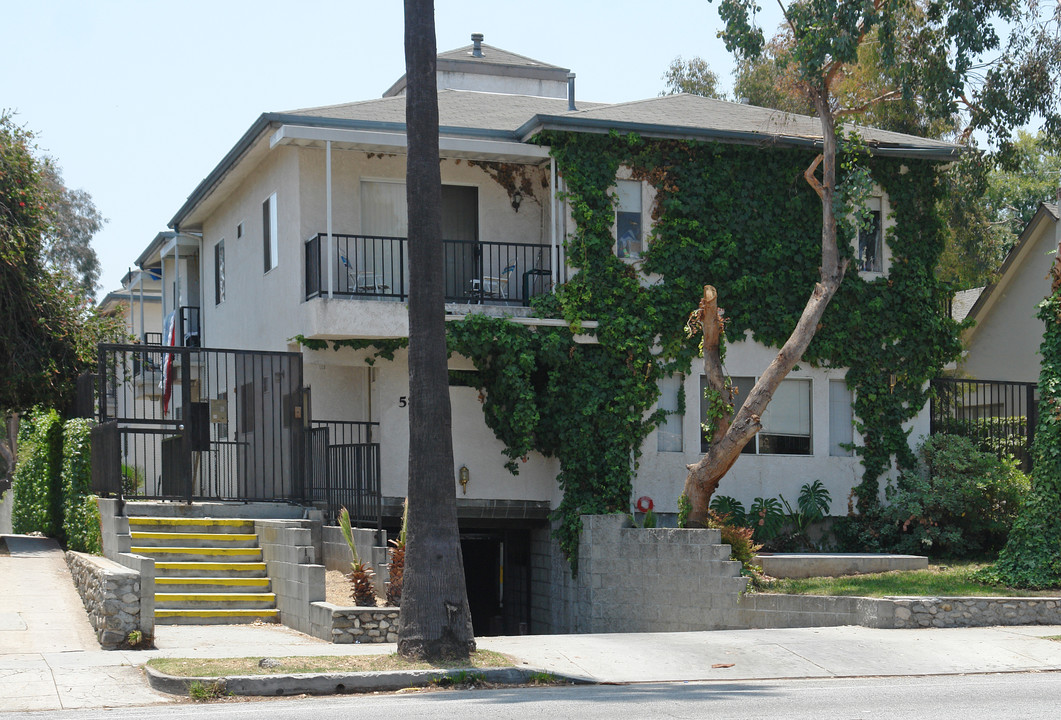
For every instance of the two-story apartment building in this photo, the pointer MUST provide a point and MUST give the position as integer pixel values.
(297, 236)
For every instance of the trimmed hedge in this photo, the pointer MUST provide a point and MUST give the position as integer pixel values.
(81, 521)
(37, 494)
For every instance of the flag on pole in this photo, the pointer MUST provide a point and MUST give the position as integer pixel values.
(169, 337)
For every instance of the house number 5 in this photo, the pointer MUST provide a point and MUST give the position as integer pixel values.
(403, 401)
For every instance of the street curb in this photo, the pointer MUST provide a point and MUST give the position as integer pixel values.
(341, 683)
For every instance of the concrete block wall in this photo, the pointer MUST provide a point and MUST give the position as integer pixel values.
(337, 555)
(646, 580)
(291, 562)
(144, 567)
(114, 528)
(111, 594)
(542, 597)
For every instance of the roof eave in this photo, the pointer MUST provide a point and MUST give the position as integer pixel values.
(1015, 252)
(267, 121)
(540, 123)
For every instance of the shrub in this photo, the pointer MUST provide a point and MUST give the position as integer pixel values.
(961, 502)
(37, 494)
(738, 537)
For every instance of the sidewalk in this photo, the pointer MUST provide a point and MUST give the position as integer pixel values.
(50, 660)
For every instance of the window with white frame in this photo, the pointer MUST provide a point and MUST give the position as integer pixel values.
(219, 272)
(871, 239)
(629, 233)
(270, 240)
(786, 421)
(669, 432)
(841, 419)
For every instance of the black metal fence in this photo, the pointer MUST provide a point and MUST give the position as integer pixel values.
(187, 423)
(476, 272)
(998, 415)
(198, 424)
(343, 470)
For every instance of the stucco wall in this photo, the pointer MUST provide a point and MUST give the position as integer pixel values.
(261, 309)
(1005, 345)
(661, 475)
(474, 444)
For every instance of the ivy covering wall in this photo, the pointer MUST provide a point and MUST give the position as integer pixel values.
(740, 218)
(744, 220)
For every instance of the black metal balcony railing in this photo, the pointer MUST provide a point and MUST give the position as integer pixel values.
(478, 272)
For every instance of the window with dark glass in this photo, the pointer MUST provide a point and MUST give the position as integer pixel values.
(871, 241)
(219, 272)
(786, 421)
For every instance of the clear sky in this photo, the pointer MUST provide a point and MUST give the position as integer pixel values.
(138, 100)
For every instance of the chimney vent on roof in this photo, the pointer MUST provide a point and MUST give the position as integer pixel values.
(477, 44)
(571, 91)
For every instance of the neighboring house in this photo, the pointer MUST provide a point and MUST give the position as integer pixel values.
(300, 231)
(1004, 342)
(992, 393)
(140, 300)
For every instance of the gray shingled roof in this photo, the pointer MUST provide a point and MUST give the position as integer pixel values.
(963, 303)
(456, 108)
(1052, 208)
(672, 114)
(496, 56)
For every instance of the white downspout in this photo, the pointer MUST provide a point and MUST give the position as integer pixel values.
(553, 250)
(177, 296)
(132, 324)
(328, 212)
(140, 281)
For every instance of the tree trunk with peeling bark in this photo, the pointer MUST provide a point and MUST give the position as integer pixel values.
(733, 431)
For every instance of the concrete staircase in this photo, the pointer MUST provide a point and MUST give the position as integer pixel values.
(208, 571)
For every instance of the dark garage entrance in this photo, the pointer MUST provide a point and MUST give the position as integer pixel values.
(497, 573)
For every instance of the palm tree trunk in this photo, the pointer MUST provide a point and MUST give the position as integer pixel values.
(435, 620)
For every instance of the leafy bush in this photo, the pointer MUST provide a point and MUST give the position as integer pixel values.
(1032, 556)
(961, 502)
(81, 520)
(37, 494)
(774, 522)
(738, 537)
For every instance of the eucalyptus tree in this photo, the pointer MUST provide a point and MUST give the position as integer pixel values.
(954, 62)
(435, 618)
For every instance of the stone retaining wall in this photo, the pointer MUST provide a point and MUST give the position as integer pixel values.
(974, 611)
(354, 624)
(111, 594)
(766, 610)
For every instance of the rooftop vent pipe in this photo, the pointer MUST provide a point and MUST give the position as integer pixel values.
(571, 91)
(477, 44)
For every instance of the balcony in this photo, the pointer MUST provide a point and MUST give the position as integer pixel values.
(377, 268)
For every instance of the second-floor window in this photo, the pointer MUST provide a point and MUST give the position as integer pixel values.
(629, 235)
(786, 420)
(871, 240)
(219, 272)
(270, 242)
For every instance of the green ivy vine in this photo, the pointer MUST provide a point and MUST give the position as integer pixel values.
(384, 348)
(742, 219)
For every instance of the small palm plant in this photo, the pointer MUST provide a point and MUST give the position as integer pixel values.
(361, 573)
(397, 564)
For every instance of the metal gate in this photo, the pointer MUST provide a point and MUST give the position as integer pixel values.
(200, 424)
(999, 416)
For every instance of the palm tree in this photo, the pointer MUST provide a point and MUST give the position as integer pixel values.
(435, 619)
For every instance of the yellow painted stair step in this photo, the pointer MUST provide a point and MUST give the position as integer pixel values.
(218, 597)
(220, 537)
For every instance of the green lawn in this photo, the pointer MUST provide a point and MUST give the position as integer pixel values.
(951, 579)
